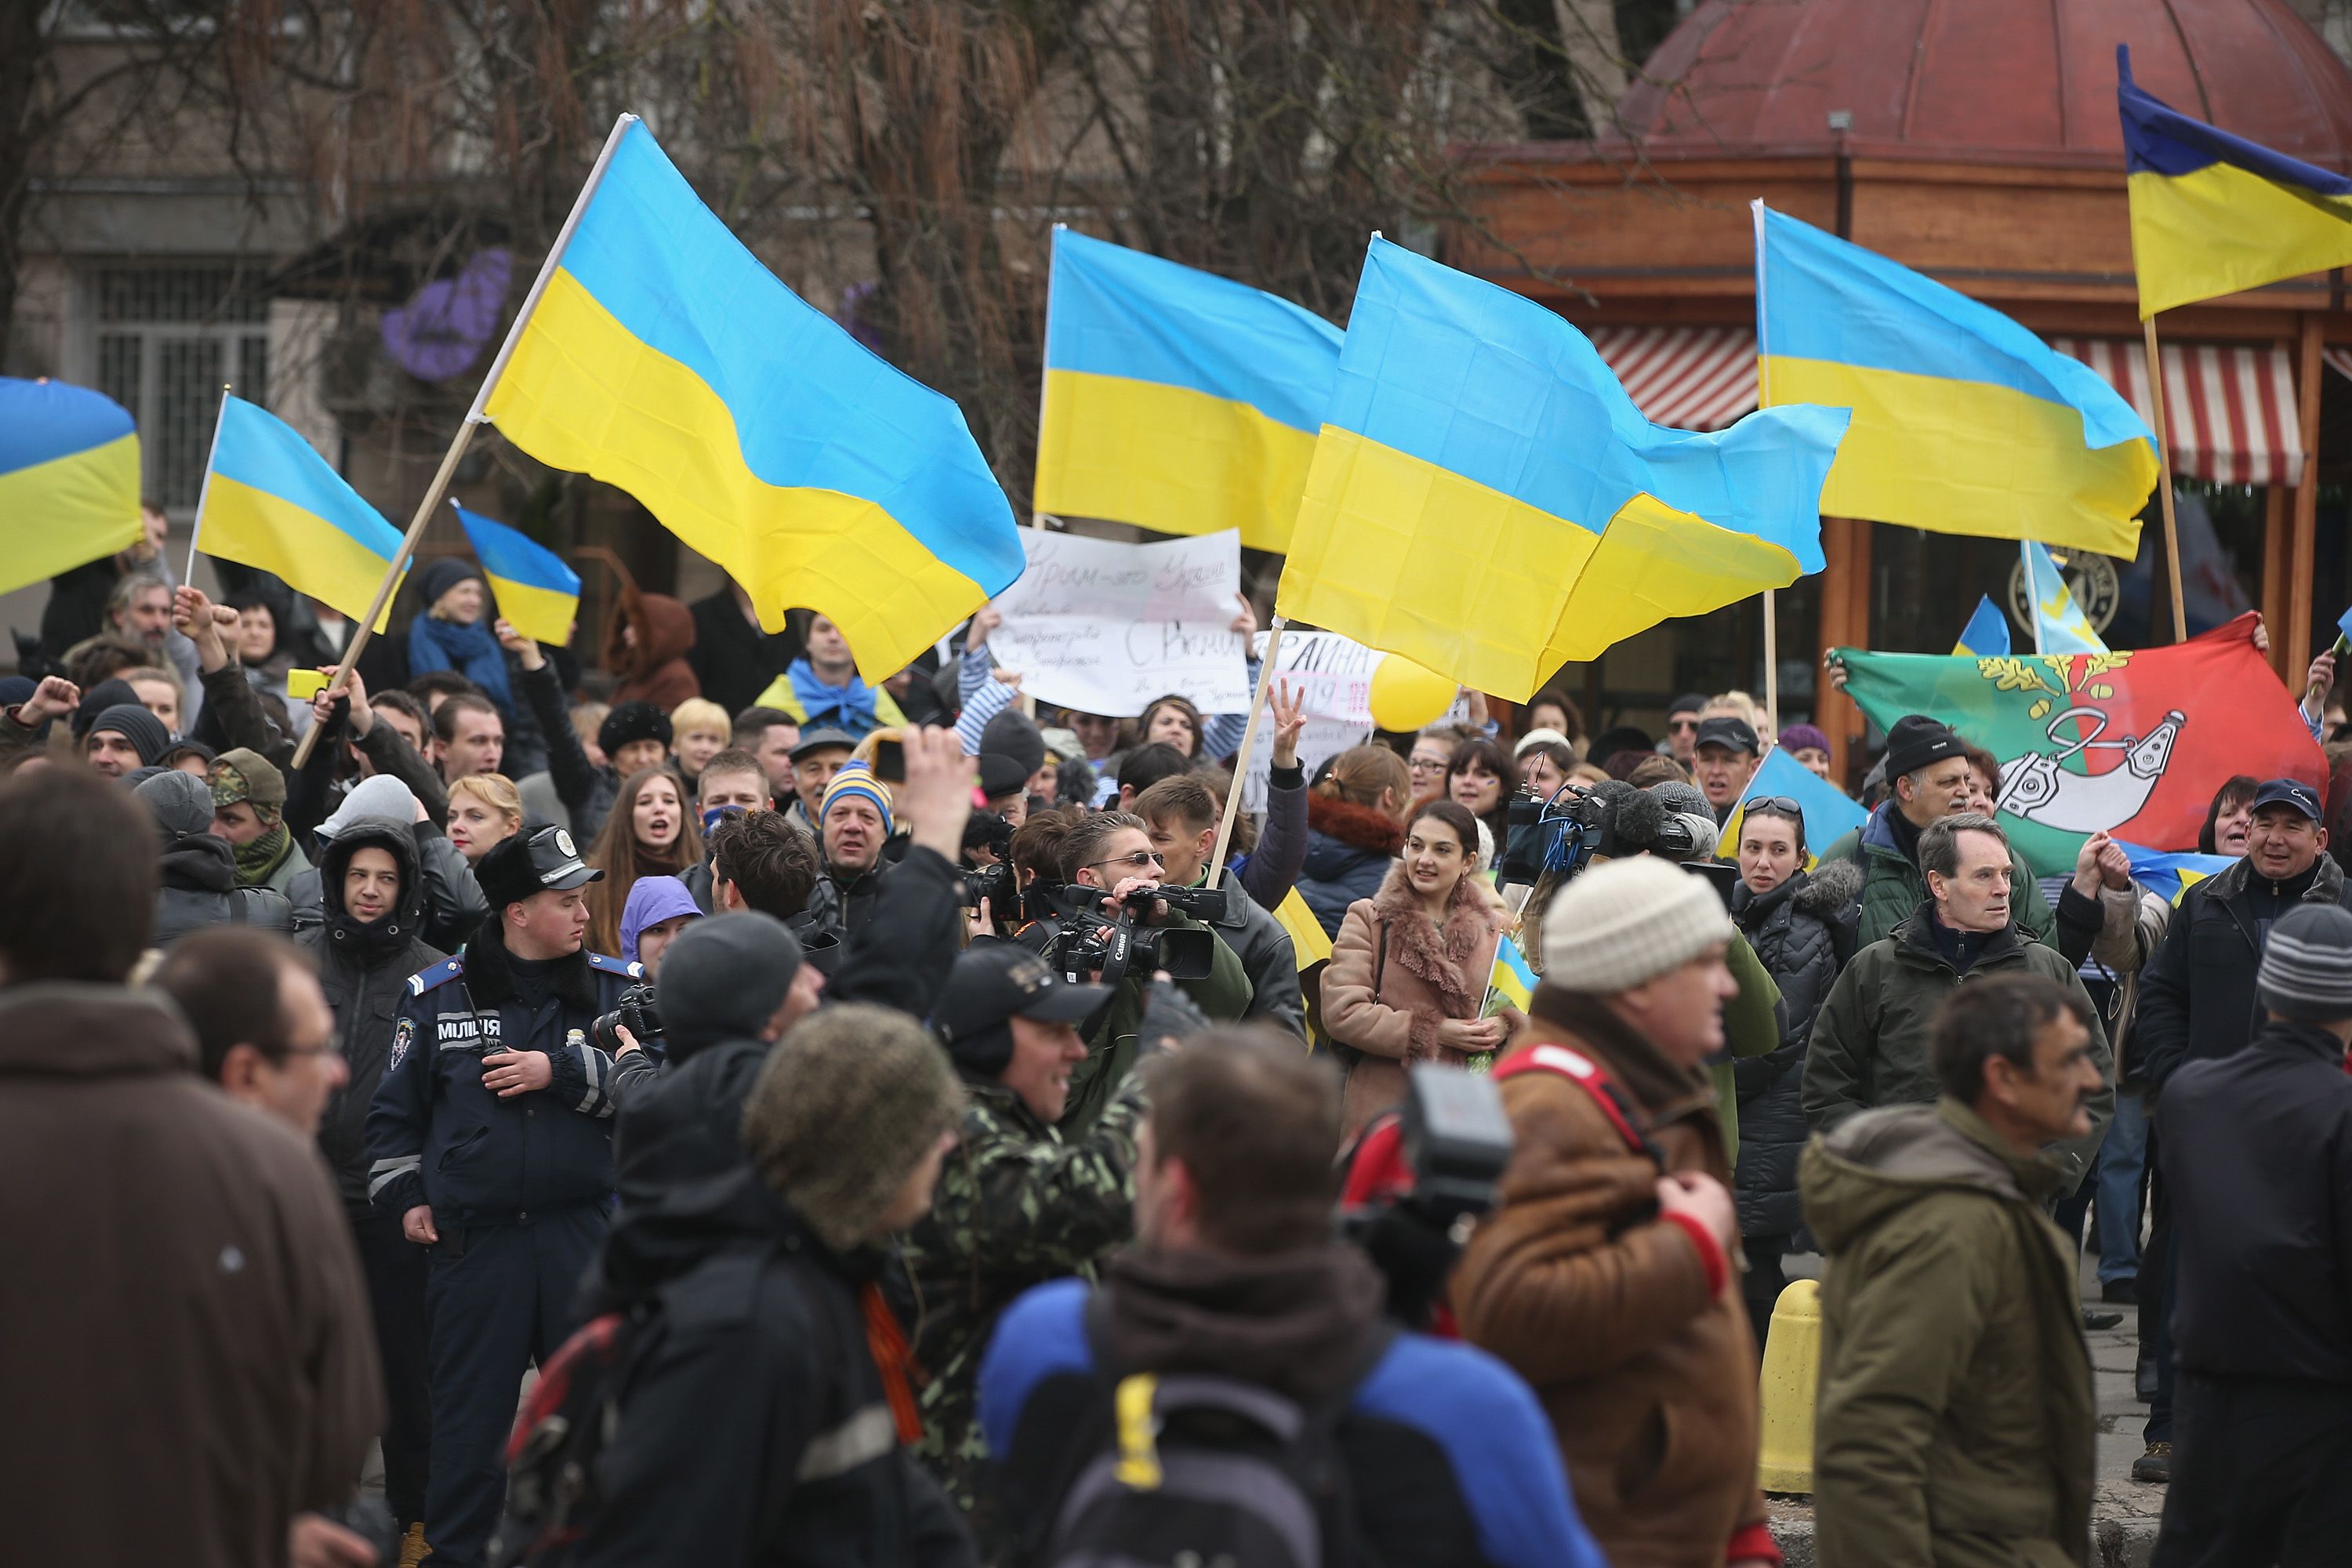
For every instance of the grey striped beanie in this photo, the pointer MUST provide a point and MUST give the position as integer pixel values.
(2307, 969)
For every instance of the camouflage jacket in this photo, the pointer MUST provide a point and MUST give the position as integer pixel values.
(1014, 1206)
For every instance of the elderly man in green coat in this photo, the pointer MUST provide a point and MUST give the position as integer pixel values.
(1957, 1424)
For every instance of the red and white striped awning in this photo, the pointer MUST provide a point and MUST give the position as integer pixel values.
(2231, 408)
(1688, 378)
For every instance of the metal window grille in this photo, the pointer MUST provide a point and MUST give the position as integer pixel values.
(167, 338)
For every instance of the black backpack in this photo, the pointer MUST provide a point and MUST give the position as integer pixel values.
(1192, 1468)
(560, 1433)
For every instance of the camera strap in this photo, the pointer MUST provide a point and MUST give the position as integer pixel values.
(1567, 1062)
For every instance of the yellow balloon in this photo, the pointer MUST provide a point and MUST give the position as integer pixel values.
(1405, 696)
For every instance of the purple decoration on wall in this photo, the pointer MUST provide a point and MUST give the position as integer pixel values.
(442, 328)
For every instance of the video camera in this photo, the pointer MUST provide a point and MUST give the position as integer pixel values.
(1419, 1177)
(1561, 833)
(1084, 944)
(999, 883)
(635, 1012)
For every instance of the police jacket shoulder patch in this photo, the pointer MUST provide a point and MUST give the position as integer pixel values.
(441, 973)
(613, 966)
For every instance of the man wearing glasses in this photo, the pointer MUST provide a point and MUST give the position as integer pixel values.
(1682, 726)
(1112, 850)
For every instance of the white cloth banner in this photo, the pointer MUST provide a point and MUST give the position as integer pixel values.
(1103, 628)
(1336, 674)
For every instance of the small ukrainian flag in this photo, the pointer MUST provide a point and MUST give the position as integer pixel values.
(1513, 978)
(1987, 634)
(271, 502)
(536, 591)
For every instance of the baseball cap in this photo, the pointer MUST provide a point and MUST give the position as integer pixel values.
(996, 981)
(2288, 792)
(527, 863)
(1728, 731)
(820, 737)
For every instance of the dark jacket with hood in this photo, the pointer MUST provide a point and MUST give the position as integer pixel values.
(2264, 1223)
(1794, 930)
(199, 877)
(1448, 1459)
(1956, 1422)
(732, 659)
(655, 671)
(1349, 848)
(755, 1428)
(364, 967)
(1892, 885)
(2196, 994)
(453, 905)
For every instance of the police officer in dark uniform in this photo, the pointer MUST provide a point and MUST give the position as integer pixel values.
(491, 1137)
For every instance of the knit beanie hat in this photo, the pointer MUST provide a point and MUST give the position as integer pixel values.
(2307, 969)
(1012, 733)
(856, 779)
(1915, 740)
(437, 576)
(242, 773)
(632, 721)
(111, 692)
(1629, 922)
(141, 729)
(1797, 737)
(849, 1103)
(181, 806)
(725, 976)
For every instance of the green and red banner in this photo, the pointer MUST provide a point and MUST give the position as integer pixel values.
(2133, 743)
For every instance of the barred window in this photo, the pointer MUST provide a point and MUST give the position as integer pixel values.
(167, 338)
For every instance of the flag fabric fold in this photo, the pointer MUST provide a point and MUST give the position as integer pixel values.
(1175, 399)
(2060, 625)
(69, 479)
(2133, 743)
(1310, 944)
(270, 501)
(1963, 421)
(535, 590)
(1487, 501)
(1829, 814)
(663, 358)
(2212, 213)
(1987, 633)
(2168, 874)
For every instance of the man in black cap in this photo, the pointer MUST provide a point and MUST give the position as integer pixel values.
(1682, 726)
(2262, 1267)
(2197, 999)
(1014, 1205)
(125, 737)
(1928, 776)
(490, 1137)
(819, 755)
(1723, 759)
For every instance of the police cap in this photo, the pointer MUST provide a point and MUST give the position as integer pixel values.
(540, 861)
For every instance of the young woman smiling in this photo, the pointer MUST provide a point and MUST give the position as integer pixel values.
(1409, 972)
(648, 833)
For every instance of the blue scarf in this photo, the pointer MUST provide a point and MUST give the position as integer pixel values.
(849, 708)
(473, 651)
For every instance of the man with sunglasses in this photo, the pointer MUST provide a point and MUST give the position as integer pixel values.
(1681, 727)
(1112, 850)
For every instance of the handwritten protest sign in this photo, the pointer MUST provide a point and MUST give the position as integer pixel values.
(1104, 628)
(1336, 674)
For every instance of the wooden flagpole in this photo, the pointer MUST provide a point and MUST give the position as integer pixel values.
(1242, 757)
(1771, 606)
(205, 490)
(475, 419)
(2164, 480)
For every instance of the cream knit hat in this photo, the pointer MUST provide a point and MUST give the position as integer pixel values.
(1628, 921)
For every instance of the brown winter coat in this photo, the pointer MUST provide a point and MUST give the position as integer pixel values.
(189, 1362)
(655, 671)
(1388, 1010)
(1649, 1377)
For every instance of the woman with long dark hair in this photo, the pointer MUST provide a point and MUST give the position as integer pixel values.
(648, 833)
(1479, 778)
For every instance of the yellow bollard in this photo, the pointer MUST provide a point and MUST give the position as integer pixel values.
(1792, 1371)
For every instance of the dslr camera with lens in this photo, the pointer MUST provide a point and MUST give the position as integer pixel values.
(635, 1012)
(1082, 944)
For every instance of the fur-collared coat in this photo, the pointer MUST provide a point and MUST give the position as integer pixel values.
(1394, 977)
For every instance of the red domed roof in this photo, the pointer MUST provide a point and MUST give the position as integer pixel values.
(2030, 79)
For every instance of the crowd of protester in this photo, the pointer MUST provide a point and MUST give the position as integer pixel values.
(858, 1106)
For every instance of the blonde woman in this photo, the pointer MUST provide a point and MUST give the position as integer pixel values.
(484, 810)
(699, 730)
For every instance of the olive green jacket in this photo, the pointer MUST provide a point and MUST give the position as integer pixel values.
(1751, 1028)
(1955, 1425)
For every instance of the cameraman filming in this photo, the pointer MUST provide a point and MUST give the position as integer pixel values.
(1112, 850)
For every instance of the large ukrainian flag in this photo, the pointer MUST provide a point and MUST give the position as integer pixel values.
(270, 501)
(1486, 501)
(662, 357)
(1175, 399)
(1963, 421)
(2212, 213)
(69, 479)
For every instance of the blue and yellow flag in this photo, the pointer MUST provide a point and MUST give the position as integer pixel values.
(662, 357)
(270, 501)
(1310, 944)
(536, 591)
(1513, 978)
(1987, 634)
(2059, 624)
(1963, 421)
(2212, 213)
(69, 479)
(1486, 501)
(2167, 874)
(1175, 399)
(1829, 814)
